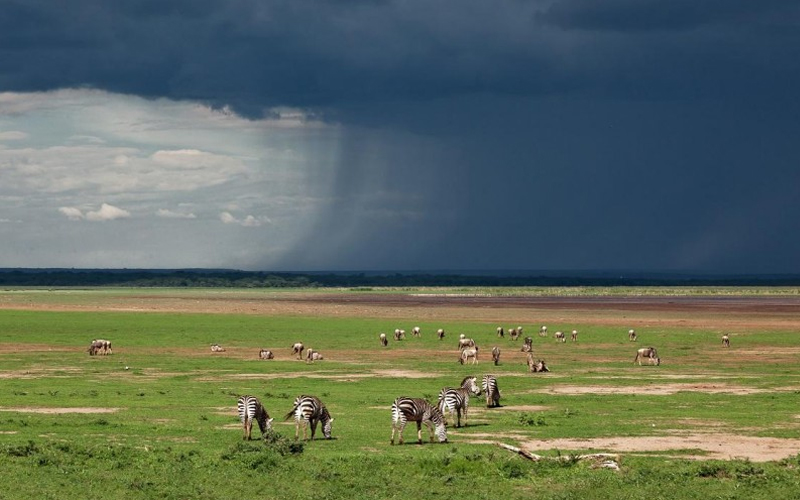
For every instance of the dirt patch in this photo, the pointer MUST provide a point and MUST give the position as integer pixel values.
(58, 411)
(652, 390)
(717, 446)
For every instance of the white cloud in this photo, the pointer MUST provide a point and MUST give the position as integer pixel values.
(170, 214)
(13, 135)
(72, 213)
(107, 212)
(249, 221)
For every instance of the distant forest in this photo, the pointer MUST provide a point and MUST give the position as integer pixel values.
(253, 279)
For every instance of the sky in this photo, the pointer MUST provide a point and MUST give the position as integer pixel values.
(303, 135)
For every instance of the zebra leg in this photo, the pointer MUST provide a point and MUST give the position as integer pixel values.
(248, 428)
(458, 420)
(419, 433)
(313, 423)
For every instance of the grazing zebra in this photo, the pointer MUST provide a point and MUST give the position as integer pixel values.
(265, 354)
(489, 386)
(466, 354)
(416, 331)
(543, 331)
(384, 340)
(297, 348)
(100, 346)
(574, 336)
(514, 333)
(496, 355)
(464, 343)
(309, 410)
(440, 333)
(217, 348)
(631, 335)
(560, 337)
(726, 341)
(250, 408)
(528, 345)
(399, 334)
(457, 400)
(500, 332)
(646, 353)
(405, 409)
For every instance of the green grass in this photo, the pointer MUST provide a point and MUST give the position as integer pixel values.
(174, 433)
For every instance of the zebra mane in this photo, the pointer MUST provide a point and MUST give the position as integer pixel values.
(467, 378)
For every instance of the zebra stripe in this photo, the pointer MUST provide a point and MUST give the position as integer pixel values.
(310, 410)
(405, 409)
(250, 408)
(489, 385)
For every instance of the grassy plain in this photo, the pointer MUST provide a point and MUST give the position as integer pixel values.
(157, 420)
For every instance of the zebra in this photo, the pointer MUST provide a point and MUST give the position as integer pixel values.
(265, 354)
(457, 400)
(250, 408)
(489, 386)
(726, 341)
(514, 333)
(399, 334)
(543, 331)
(500, 332)
(405, 409)
(310, 410)
(560, 337)
(574, 335)
(631, 335)
(217, 348)
(496, 355)
(297, 348)
(383, 339)
(440, 333)
(416, 331)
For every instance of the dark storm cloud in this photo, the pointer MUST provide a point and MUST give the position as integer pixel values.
(571, 133)
(306, 53)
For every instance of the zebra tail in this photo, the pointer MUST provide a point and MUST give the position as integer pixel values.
(289, 415)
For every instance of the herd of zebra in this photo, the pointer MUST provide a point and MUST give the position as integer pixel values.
(309, 411)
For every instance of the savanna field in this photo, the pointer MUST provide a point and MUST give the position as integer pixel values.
(157, 418)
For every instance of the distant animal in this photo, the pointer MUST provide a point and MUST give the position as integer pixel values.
(464, 343)
(726, 341)
(574, 336)
(416, 331)
(399, 334)
(496, 355)
(469, 353)
(217, 348)
(500, 332)
(527, 346)
(652, 361)
(297, 349)
(631, 335)
(536, 366)
(383, 339)
(440, 333)
(461, 336)
(309, 411)
(265, 354)
(250, 408)
(405, 409)
(312, 355)
(491, 390)
(514, 333)
(560, 337)
(456, 400)
(543, 331)
(100, 346)
(646, 353)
